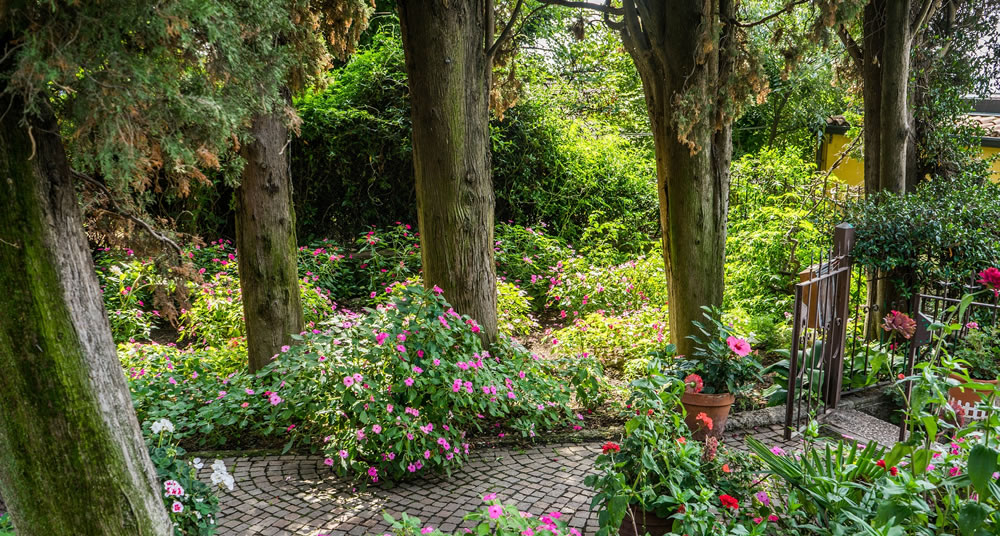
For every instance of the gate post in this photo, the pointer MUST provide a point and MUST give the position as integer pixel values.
(833, 351)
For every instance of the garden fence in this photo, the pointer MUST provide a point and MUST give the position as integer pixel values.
(839, 345)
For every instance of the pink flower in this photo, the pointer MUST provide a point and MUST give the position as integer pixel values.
(495, 511)
(328, 461)
(489, 497)
(954, 471)
(285, 348)
(408, 382)
(991, 278)
(290, 428)
(172, 381)
(348, 381)
(250, 391)
(739, 346)
(245, 404)
(177, 507)
(343, 454)
(275, 399)
(377, 429)
(426, 530)
(380, 338)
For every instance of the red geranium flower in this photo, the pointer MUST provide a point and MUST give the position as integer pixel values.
(880, 463)
(611, 447)
(705, 420)
(729, 501)
(893, 471)
(694, 383)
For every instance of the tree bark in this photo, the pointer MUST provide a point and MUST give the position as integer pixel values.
(692, 163)
(72, 459)
(448, 69)
(894, 104)
(871, 73)
(265, 240)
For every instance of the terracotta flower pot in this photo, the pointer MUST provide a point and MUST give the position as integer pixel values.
(645, 522)
(968, 398)
(715, 406)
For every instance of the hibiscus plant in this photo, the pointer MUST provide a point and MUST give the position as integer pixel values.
(722, 360)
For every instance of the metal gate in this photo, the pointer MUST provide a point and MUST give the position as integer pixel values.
(820, 317)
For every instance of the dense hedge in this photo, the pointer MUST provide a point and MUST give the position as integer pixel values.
(352, 165)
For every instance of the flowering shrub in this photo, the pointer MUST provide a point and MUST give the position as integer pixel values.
(387, 394)
(126, 284)
(525, 256)
(492, 518)
(514, 310)
(191, 504)
(621, 342)
(216, 313)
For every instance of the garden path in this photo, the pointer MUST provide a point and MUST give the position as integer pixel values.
(298, 495)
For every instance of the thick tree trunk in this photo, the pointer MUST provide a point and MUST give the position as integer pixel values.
(265, 240)
(72, 459)
(871, 74)
(692, 163)
(447, 66)
(895, 80)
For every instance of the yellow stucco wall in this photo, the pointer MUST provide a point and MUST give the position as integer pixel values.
(852, 171)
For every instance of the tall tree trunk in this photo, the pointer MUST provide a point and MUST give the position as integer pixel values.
(871, 74)
(265, 240)
(693, 151)
(446, 62)
(72, 459)
(894, 105)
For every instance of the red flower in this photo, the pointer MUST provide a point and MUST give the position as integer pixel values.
(725, 468)
(609, 447)
(650, 412)
(681, 509)
(991, 278)
(893, 471)
(694, 383)
(705, 420)
(900, 376)
(729, 501)
(880, 463)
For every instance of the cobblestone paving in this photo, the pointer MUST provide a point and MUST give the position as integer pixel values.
(298, 495)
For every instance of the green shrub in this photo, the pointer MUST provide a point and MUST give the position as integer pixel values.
(578, 287)
(944, 231)
(514, 310)
(191, 504)
(127, 289)
(526, 255)
(381, 393)
(619, 342)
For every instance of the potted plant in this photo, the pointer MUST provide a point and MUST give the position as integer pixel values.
(656, 480)
(721, 368)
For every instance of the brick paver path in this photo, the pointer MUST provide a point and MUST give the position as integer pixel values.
(298, 495)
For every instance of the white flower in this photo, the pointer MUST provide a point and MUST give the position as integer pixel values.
(220, 475)
(198, 464)
(177, 507)
(162, 425)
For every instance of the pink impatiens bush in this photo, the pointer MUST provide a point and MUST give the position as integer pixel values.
(395, 392)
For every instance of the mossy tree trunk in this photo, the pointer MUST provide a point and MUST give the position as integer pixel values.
(693, 144)
(445, 43)
(265, 240)
(72, 459)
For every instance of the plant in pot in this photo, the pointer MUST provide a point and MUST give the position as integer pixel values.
(658, 481)
(979, 356)
(721, 368)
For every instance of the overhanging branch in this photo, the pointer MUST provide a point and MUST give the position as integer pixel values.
(787, 9)
(605, 8)
(118, 210)
(506, 33)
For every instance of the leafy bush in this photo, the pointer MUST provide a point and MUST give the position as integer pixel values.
(621, 342)
(525, 256)
(126, 285)
(385, 394)
(775, 231)
(946, 230)
(577, 287)
(216, 314)
(514, 310)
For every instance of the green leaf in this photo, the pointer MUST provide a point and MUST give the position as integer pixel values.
(971, 517)
(982, 465)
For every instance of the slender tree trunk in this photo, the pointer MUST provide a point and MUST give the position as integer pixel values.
(692, 163)
(265, 240)
(447, 66)
(895, 80)
(72, 459)
(873, 44)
